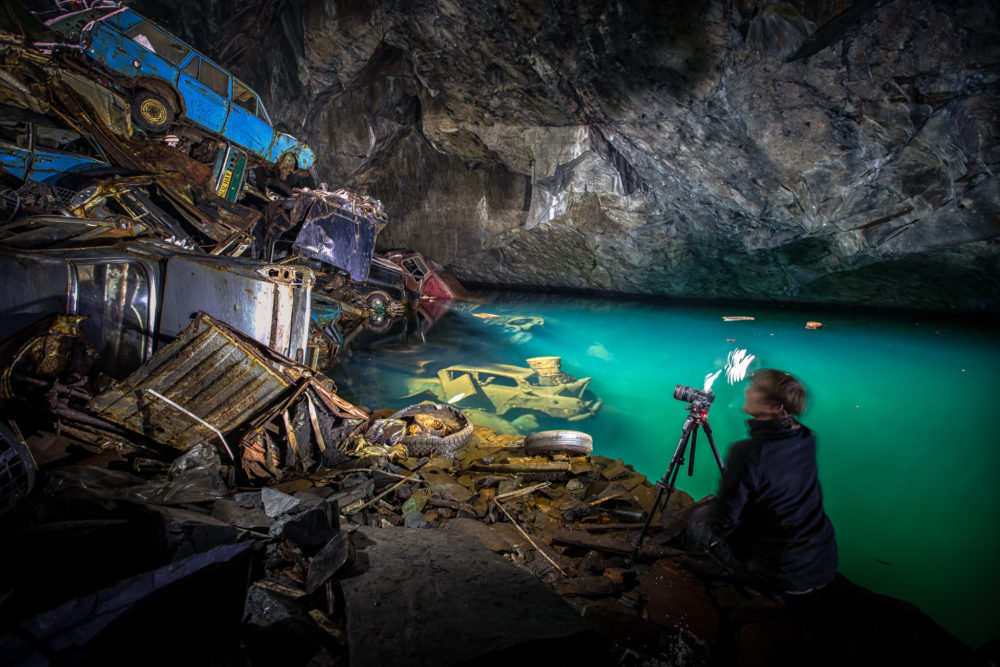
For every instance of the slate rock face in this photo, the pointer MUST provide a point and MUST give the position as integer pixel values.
(422, 599)
(831, 151)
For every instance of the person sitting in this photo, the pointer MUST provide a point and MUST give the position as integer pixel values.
(766, 525)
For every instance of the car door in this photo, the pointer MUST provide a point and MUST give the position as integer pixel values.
(14, 159)
(246, 124)
(205, 91)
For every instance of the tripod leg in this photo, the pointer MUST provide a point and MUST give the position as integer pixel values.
(711, 441)
(666, 485)
(694, 442)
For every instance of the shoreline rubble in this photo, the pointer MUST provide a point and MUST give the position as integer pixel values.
(322, 543)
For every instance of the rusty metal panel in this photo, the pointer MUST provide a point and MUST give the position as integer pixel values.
(212, 384)
(214, 379)
(269, 302)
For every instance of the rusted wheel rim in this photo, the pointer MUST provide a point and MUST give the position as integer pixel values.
(153, 111)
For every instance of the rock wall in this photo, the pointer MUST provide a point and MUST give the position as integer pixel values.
(835, 152)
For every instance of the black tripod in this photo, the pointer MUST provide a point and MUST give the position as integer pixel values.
(698, 416)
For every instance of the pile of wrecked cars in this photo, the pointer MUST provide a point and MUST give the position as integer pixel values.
(125, 151)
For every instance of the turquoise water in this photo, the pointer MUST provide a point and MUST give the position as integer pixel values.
(903, 407)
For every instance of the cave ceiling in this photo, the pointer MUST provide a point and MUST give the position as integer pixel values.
(827, 152)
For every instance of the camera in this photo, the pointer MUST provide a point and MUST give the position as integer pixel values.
(700, 399)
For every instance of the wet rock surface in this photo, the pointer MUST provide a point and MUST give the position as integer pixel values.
(427, 600)
(825, 152)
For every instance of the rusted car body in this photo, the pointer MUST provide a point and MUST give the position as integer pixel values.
(140, 294)
(48, 231)
(215, 384)
(167, 79)
(31, 152)
(425, 276)
(507, 387)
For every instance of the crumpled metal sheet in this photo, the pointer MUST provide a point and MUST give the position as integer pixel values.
(211, 384)
(307, 431)
(111, 109)
(16, 61)
(339, 228)
(221, 220)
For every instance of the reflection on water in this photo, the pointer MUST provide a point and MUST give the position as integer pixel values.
(902, 408)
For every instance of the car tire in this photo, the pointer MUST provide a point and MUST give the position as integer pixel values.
(435, 445)
(576, 443)
(151, 112)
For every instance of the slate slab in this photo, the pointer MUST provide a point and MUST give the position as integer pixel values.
(433, 598)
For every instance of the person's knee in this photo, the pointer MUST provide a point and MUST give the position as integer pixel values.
(699, 528)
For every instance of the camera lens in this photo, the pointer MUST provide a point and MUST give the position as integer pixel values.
(692, 395)
(683, 393)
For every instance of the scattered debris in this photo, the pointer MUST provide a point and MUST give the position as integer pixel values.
(213, 381)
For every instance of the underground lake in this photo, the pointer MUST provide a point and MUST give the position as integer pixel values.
(902, 404)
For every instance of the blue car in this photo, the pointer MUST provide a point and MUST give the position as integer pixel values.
(30, 153)
(169, 80)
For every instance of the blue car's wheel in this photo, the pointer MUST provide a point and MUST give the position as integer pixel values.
(151, 112)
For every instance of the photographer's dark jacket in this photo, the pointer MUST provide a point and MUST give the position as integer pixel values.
(769, 508)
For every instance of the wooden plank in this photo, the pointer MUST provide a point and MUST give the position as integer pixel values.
(547, 466)
(609, 544)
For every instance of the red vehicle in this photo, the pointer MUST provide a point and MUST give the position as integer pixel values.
(426, 276)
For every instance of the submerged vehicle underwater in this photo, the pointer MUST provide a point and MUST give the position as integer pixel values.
(506, 389)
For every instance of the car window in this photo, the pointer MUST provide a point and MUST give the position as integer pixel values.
(244, 97)
(15, 133)
(159, 43)
(262, 112)
(248, 99)
(415, 267)
(115, 299)
(383, 275)
(191, 69)
(214, 78)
